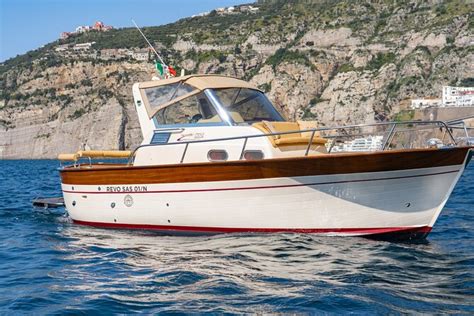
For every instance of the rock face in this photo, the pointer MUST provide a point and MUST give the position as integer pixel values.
(339, 62)
(332, 37)
(71, 108)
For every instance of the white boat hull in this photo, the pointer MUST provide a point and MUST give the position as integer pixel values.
(343, 204)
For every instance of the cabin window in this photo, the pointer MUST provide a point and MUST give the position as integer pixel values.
(217, 155)
(247, 105)
(253, 155)
(157, 96)
(160, 138)
(192, 110)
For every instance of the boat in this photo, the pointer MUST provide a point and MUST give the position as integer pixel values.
(218, 157)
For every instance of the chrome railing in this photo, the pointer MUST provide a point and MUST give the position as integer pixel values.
(387, 141)
(459, 126)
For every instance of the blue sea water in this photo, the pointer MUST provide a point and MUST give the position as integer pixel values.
(50, 266)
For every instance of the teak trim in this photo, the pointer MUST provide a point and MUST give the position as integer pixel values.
(267, 168)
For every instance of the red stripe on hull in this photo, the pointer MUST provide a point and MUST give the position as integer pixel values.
(425, 230)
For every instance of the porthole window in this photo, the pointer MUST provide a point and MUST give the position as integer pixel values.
(253, 155)
(217, 155)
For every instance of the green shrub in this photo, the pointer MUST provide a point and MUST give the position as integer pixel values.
(381, 59)
(86, 82)
(440, 10)
(346, 68)
(404, 115)
(77, 114)
(283, 54)
(105, 93)
(266, 87)
(467, 82)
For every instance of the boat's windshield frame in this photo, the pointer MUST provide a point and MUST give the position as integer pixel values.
(221, 112)
(266, 105)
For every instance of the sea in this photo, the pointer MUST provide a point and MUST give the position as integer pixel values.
(50, 266)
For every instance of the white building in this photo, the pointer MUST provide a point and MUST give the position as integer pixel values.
(253, 9)
(370, 143)
(458, 96)
(62, 48)
(83, 46)
(248, 8)
(140, 55)
(115, 53)
(425, 103)
(82, 29)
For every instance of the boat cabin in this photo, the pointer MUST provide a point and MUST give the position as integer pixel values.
(178, 115)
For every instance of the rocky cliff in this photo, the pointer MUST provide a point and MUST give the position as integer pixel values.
(334, 61)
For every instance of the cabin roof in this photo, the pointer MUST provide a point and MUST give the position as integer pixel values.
(202, 82)
(198, 84)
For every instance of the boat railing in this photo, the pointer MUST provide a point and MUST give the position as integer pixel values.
(463, 131)
(341, 133)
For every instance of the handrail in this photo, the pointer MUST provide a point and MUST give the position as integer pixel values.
(242, 152)
(389, 137)
(460, 123)
(309, 143)
(460, 119)
(442, 124)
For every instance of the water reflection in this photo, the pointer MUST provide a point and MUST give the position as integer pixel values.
(146, 268)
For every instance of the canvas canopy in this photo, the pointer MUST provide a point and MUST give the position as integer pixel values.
(160, 94)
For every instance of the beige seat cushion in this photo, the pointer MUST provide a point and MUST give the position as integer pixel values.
(290, 139)
(304, 125)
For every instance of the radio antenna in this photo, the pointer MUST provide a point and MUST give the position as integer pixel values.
(149, 44)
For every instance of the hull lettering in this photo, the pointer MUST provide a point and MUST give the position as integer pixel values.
(127, 188)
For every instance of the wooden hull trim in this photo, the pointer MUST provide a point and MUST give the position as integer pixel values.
(261, 187)
(270, 168)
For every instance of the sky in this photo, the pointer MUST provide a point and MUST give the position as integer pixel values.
(29, 24)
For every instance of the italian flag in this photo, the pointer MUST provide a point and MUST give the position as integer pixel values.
(163, 69)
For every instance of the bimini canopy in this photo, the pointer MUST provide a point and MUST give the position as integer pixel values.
(162, 93)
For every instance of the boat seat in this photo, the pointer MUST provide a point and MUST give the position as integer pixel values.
(294, 139)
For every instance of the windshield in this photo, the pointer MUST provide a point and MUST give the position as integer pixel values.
(247, 105)
(160, 96)
(195, 109)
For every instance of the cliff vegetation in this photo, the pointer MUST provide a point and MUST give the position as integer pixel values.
(337, 62)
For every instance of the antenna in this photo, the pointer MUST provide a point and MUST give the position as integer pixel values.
(151, 46)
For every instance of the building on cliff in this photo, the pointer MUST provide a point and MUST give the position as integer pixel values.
(98, 26)
(141, 55)
(369, 143)
(83, 46)
(452, 97)
(458, 96)
(425, 103)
